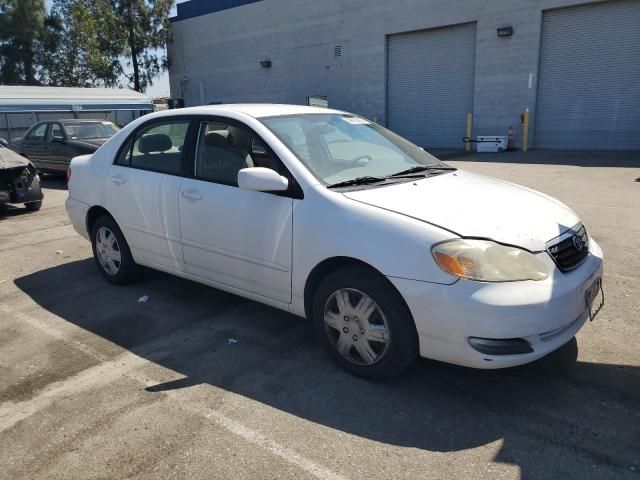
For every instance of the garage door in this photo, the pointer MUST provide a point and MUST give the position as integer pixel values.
(430, 79)
(589, 84)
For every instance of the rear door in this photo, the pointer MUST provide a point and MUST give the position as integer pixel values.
(143, 188)
(34, 145)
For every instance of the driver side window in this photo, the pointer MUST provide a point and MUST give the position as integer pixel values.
(55, 131)
(225, 149)
(221, 154)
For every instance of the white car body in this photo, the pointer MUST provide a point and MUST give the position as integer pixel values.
(266, 247)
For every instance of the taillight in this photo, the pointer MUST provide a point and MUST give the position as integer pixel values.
(68, 174)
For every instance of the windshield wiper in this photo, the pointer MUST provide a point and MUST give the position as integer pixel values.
(422, 168)
(357, 181)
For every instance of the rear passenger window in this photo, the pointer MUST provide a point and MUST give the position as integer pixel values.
(159, 147)
(37, 134)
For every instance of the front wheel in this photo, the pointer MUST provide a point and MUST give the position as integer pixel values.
(33, 206)
(111, 252)
(365, 323)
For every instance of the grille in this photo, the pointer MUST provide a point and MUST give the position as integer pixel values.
(569, 249)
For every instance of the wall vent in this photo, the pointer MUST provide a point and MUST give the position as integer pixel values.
(337, 51)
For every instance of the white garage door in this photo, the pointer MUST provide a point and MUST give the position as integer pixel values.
(589, 85)
(430, 79)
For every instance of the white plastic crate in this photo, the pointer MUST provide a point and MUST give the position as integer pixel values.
(491, 143)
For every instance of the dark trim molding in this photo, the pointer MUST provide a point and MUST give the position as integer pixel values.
(198, 8)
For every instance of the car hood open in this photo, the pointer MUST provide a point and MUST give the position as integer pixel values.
(473, 205)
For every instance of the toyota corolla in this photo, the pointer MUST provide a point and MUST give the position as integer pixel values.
(390, 252)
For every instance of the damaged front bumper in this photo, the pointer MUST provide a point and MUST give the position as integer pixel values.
(20, 185)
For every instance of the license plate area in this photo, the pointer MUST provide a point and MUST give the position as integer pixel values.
(594, 297)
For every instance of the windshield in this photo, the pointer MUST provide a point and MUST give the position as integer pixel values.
(90, 130)
(340, 147)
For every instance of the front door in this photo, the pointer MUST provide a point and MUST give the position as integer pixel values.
(143, 188)
(236, 238)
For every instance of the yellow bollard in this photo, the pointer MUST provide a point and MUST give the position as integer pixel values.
(525, 131)
(467, 146)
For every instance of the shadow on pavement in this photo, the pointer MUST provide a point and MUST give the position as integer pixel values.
(558, 417)
(13, 210)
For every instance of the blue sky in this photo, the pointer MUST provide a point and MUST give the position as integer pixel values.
(160, 85)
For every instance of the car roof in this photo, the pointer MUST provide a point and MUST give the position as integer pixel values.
(256, 110)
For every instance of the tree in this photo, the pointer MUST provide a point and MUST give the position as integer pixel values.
(26, 29)
(83, 43)
(147, 26)
(91, 44)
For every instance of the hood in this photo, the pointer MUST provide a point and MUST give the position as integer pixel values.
(16, 141)
(471, 205)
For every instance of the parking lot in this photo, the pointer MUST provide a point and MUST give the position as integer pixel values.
(95, 384)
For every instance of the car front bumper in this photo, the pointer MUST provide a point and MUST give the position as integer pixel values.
(547, 314)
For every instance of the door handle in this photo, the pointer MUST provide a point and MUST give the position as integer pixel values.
(118, 179)
(191, 194)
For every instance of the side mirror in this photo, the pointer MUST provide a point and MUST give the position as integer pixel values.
(57, 139)
(261, 179)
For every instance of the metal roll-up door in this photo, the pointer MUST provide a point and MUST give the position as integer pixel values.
(430, 80)
(589, 78)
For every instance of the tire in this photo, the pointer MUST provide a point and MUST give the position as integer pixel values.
(109, 245)
(390, 331)
(33, 206)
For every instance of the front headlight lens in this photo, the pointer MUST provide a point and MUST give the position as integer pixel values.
(487, 261)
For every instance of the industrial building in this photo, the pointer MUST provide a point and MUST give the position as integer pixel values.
(21, 107)
(431, 70)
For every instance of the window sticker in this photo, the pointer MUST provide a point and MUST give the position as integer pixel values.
(356, 121)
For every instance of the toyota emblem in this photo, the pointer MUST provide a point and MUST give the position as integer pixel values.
(578, 242)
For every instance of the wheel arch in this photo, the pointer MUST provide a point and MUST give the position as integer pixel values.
(327, 266)
(93, 214)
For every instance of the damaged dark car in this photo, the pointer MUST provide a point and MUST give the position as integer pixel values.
(19, 181)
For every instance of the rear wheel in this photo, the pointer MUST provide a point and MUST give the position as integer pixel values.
(364, 322)
(111, 252)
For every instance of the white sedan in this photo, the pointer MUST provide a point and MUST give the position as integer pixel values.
(388, 251)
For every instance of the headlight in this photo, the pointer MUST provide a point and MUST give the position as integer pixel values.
(487, 261)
